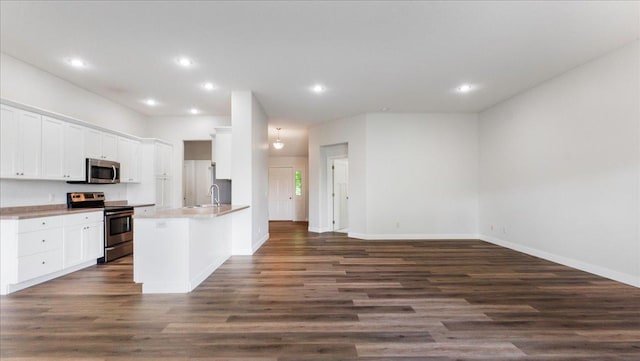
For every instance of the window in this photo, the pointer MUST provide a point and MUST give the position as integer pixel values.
(298, 183)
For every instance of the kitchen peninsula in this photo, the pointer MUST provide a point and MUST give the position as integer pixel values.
(176, 249)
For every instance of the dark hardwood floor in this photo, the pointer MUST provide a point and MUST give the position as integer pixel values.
(306, 296)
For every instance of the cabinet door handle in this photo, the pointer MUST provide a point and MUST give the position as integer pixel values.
(17, 173)
(43, 241)
(43, 262)
(21, 173)
(43, 223)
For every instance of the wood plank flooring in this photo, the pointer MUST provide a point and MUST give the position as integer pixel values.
(308, 296)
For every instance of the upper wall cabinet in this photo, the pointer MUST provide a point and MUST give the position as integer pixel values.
(20, 143)
(62, 150)
(129, 157)
(100, 145)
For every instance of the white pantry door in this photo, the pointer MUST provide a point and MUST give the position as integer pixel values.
(280, 194)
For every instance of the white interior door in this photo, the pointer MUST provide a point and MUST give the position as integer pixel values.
(280, 194)
(340, 195)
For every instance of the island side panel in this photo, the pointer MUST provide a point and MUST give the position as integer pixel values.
(242, 230)
(210, 247)
(161, 249)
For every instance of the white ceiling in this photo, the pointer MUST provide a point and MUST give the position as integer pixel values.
(406, 56)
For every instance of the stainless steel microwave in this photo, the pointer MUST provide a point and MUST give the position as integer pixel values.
(99, 171)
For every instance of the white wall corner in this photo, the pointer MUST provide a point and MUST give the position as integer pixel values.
(319, 229)
(261, 241)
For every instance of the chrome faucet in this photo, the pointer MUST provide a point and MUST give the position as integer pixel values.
(215, 199)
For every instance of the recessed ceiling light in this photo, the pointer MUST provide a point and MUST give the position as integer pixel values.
(194, 111)
(77, 63)
(318, 88)
(185, 62)
(464, 88)
(209, 86)
(151, 102)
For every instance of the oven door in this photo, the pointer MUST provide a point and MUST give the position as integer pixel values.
(118, 227)
(102, 171)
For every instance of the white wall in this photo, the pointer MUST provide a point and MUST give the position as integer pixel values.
(249, 172)
(260, 173)
(26, 84)
(23, 83)
(422, 175)
(410, 175)
(176, 130)
(560, 168)
(297, 164)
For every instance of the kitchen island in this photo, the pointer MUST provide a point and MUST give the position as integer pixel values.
(176, 249)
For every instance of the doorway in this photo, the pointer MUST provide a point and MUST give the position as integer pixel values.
(197, 172)
(339, 193)
(280, 194)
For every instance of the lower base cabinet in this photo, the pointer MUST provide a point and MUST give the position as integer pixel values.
(37, 249)
(83, 238)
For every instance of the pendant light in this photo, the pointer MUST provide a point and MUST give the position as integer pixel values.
(278, 143)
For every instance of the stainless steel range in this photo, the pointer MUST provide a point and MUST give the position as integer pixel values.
(118, 223)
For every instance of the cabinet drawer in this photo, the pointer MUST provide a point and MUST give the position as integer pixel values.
(39, 264)
(39, 224)
(39, 241)
(83, 218)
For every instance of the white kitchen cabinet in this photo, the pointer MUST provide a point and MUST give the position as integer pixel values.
(163, 192)
(163, 153)
(52, 148)
(129, 157)
(72, 245)
(100, 145)
(164, 176)
(62, 150)
(221, 154)
(74, 159)
(85, 237)
(36, 250)
(20, 143)
(93, 242)
(30, 248)
(110, 146)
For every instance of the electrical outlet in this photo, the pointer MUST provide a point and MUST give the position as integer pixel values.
(504, 230)
(52, 197)
(397, 224)
(492, 227)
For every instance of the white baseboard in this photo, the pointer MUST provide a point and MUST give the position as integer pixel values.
(570, 262)
(410, 236)
(319, 229)
(260, 243)
(10, 288)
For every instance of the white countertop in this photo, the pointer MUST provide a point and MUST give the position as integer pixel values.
(193, 212)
